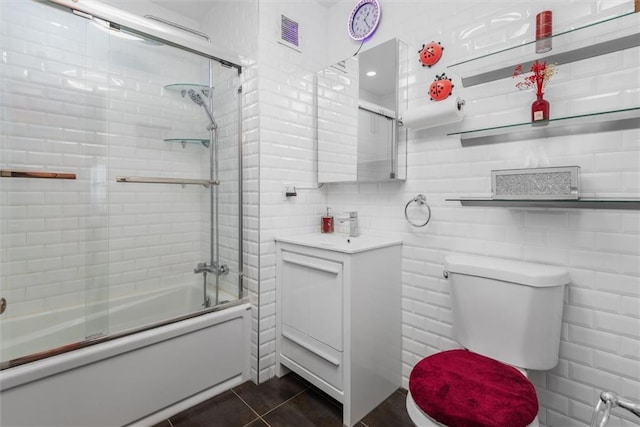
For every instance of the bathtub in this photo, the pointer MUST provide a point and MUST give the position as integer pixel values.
(135, 379)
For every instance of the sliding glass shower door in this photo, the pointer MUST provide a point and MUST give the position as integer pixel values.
(120, 180)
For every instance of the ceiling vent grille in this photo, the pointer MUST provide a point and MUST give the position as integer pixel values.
(289, 34)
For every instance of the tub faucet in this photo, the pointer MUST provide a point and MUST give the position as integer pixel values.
(202, 267)
(354, 228)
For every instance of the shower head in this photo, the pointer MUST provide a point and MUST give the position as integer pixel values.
(197, 99)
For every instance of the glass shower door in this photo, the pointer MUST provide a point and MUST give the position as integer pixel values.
(53, 216)
(121, 175)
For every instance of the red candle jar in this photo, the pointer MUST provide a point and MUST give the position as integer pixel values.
(544, 27)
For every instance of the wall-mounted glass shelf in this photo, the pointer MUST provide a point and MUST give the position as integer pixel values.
(185, 141)
(582, 203)
(183, 88)
(605, 121)
(587, 41)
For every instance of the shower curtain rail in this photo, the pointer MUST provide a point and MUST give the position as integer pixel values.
(5, 173)
(159, 180)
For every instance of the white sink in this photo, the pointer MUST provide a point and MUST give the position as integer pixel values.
(340, 242)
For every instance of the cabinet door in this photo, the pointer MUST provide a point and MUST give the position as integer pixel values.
(312, 297)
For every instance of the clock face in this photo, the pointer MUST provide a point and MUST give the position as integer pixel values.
(364, 19)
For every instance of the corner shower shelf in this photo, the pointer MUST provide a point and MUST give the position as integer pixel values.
(605, 121)
(183, 88)
(185, 141)
(583, 203)
(588, 41)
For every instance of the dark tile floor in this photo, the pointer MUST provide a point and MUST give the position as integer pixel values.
(289, 401)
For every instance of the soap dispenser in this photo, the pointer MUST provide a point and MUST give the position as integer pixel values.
(327, 223)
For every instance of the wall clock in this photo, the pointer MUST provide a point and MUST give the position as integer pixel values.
(364, 19)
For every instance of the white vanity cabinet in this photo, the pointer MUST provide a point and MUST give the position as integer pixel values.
(338, 317)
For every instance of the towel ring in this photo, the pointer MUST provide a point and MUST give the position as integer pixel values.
(421, 200)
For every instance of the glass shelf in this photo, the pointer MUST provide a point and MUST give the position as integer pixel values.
(595, 39)
(185, 141)
(606, 121)
(582, 203)
(183, 88)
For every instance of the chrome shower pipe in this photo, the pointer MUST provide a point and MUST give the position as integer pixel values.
(214, 258)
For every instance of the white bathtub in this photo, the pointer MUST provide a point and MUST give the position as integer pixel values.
(137, 379)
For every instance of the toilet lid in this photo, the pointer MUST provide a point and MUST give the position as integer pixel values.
(464, 389)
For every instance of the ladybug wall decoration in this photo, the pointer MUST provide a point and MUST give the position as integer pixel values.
(430, 53)
(441, 88)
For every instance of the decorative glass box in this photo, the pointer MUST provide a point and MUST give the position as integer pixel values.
(555, 183)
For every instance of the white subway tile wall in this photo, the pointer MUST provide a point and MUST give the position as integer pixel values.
(601, 327)
(286, 140)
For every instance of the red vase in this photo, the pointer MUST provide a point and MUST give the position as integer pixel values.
(540, 109)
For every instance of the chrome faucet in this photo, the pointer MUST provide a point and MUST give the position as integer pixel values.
(354, 228)
(214, 268)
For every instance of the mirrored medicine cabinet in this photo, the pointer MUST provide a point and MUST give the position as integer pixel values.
(359, 102)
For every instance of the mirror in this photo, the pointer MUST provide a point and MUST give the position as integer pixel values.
(359, 101)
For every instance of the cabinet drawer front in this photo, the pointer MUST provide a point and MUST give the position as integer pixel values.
(320, 363)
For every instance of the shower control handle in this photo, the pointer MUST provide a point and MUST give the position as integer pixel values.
(203, 267)
(3, 305)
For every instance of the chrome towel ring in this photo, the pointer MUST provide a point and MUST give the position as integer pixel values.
(421, 200)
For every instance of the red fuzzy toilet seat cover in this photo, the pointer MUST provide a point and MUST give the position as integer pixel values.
(459, 388)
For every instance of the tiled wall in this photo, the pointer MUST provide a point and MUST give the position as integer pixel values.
(601, 328)
(287, 147)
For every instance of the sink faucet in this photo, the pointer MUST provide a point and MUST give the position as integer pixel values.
(354, 229)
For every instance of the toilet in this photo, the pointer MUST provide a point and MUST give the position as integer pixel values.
(507, 317)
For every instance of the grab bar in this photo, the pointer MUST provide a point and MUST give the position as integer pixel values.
(159, 180)
(609, 400)
(5, 173)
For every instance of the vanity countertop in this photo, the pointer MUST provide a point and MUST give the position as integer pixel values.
(340, 242)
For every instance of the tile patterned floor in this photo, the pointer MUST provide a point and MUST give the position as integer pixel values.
(289, 401)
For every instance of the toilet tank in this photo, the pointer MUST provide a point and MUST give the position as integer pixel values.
(508, 310)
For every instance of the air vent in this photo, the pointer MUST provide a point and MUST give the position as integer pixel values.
(289, 35)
